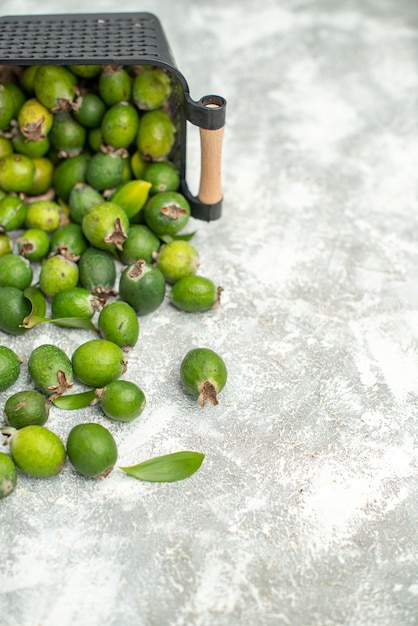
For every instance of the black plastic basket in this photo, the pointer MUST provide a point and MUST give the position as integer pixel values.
(126, 39)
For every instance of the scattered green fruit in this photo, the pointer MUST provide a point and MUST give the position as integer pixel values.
(50, 369)
(118, 322)
(203, 374)
(26, 408)
(98, 362)
(122, 400)
(37, 451)
(195, 293)
(9, 367)
(8, 475)
(92, 450)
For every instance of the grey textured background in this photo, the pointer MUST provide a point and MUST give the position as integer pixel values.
(304, 511)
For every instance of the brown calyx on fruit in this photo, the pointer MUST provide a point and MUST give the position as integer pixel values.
(63, 385)
(137, 269)
(208, 393)
(173, 211)
(34, 132)
(118, 236)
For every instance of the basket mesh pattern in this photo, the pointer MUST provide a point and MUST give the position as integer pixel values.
(89, 38)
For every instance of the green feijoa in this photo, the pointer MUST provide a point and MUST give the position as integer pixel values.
(15, 271)
(27, 79)
(82, 198)
(151, 88)
(141, 243)
(14, 307)
(92, 450)
(167, 213)
(58, 273)
(6, 146)
(177, 259)
(30, 148)
(156, 134)
(16, 173)
(8, 475)
(34, 120)
(68, 173)
(50, 369)
(98, 362)
(90, 111)
(26, 408)
(118, 322)
(120, 125)
(131, 196)
(18, 95)
(69, 238)
(37, 451)
(33, 244)
(12, 213)
(163, 176)
(44, 215)
(54, 87)
(142, 286)
(95, 139)
(195, 293)
(106, 226)
(122, 401)
(115, 85)
(6, 107)
(138, 165)
(203, 374)
(6, 244)
(75, 302)
(97, 271)
(67, 136)
(85, 71)
(44, 174)
(9, 367)
(104, 171)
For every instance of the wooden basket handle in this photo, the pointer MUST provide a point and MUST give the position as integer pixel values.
(210, 188)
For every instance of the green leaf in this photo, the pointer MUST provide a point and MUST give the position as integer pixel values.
(181, 237)
(167, 468)
(69, 322)
(74, 401)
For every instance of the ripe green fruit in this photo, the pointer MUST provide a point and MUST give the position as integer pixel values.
(18, 95)
(97, 271)
(9, 367)
(68, 173)
(163, 177)
(14, 307)
(16, 173)
(58, 273)
(151, 88)
(75, 302)
(43, 214)
(115, 85)
(156, 134)
(15, 271)
(98, 362)
(86, 71)
(81, 199)
(118, 322)
(195, 293)
(44, 174)
(37, 451)
(104, 171)
(26, 408)
(33, 244)
(6, 107)
(50, 369)
(54, 87)
(120, 125)
(141, 243)
(8, 475)
(34, 120)
(142, 286)
(167, 213)
(6, 146)
(90, 110)
(12, 213)
(67, 136)
(92, 450)
(6, 244)
(122, 400)
(69, 240)
(106, 226)
(203, 374)
(31, 148)
(177, 259)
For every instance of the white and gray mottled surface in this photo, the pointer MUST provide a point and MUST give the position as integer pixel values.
(305, 509)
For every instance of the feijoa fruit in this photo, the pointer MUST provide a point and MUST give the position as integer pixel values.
(122, 401)
(118, 322)
(92, 450)
(98, 362)
(8, 475)
(9, 367)
(50, 369)
(203, 374)
(37, 451)
(26, 408)
(142, 286)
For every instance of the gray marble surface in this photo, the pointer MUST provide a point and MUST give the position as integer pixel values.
(304, 511)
